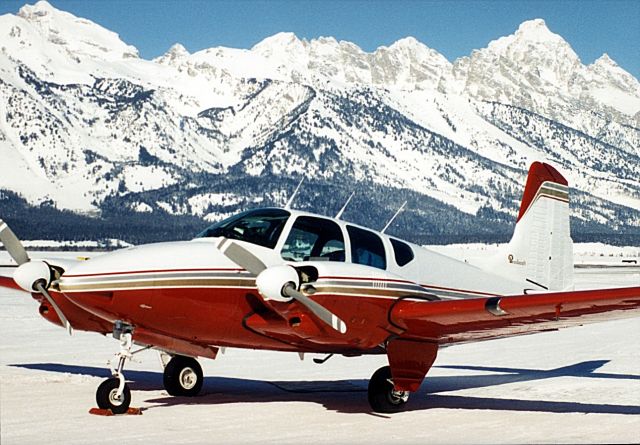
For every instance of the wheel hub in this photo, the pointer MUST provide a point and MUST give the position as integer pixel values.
(188, 378)
(114, 398)
(398, 397)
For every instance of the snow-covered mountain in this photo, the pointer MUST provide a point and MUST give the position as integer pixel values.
(86, 124)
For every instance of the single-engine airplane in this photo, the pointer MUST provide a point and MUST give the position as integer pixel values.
(281, 279)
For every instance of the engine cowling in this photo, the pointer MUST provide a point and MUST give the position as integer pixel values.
(28, 274)
(272, 280)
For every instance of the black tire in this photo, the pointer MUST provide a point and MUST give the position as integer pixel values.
(380, 393)
(105, 396)
(183, 376)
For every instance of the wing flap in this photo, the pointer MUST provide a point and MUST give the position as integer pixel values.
(453, 321)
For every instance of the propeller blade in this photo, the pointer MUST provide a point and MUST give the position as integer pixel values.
(247, 260)
(12, 244)
(241, 256)
(320, 311)
(56, 308)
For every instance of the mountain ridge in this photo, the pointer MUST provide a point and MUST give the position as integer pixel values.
(85, 121)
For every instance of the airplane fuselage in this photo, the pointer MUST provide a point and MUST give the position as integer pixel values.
(191, 291)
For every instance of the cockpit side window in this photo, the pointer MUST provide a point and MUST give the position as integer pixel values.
(314, 239)
(366, 248)
(262, 227)
(402, 252)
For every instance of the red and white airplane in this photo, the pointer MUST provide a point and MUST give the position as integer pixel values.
(287, 280)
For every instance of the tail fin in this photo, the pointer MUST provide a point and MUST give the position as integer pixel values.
(541, 249)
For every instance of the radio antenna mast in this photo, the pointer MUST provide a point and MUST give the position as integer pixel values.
(295, 192)
(344, 206)
(394, 217)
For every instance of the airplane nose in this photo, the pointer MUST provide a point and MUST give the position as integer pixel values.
(123, 284)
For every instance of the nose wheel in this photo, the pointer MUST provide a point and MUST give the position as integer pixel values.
(183, 376)
(109, 396)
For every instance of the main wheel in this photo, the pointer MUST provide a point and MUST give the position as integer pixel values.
(382, 397)
(183, 376)
(106, 396)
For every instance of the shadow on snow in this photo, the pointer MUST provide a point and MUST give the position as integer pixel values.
(352, 393)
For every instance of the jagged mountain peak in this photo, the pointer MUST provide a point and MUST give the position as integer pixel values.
(39, 9)
(605, 60)
(174, 55)
(605, 76)
(278, 42)
(536, 29)
(532, 38)
(77, 36)
(511, 69)
(409, 43)
(414, 49)
(608, 67)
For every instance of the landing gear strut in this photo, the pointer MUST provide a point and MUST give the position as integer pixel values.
(114, 393)
(383, 398)
(183, 376)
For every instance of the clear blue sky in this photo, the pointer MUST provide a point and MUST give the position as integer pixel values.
(452, 27)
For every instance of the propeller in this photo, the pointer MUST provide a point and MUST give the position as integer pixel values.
(30, 275)
(12, 244)
(278, 283)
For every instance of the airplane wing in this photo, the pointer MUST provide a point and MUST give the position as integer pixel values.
(455, 321)
(7, 269)
(6, 278)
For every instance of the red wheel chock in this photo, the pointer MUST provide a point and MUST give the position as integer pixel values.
(108, 412)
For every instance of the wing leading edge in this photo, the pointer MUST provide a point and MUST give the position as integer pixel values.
(456, 321)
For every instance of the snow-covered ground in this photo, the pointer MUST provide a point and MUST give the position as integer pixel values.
(579, 385)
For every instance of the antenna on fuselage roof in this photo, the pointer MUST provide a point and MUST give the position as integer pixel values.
(394, 217)
(344, 206)
(295, 192)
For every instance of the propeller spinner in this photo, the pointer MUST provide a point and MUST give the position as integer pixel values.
(278, 283)
(31, 275)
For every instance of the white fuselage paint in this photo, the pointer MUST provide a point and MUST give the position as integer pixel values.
(199, 263)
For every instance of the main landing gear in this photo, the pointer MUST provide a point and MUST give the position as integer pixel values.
(183, 376)
(383, 398)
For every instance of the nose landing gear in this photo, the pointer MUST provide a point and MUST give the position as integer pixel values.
(114, 393)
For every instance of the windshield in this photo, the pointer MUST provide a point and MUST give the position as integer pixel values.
(262, 227)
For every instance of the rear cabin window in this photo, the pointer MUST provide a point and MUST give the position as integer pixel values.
(402, 252)
(314, 239)
(366, 248)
